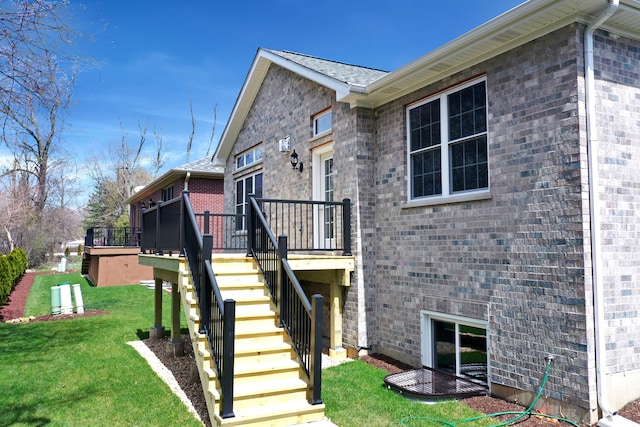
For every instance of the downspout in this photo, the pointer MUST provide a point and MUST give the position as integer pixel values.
(594, 207)
(186, 181)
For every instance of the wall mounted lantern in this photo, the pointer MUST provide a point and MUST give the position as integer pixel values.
(294, 161)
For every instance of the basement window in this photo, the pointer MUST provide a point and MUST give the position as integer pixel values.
(456, 345)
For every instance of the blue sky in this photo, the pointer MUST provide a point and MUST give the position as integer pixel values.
(154, 55)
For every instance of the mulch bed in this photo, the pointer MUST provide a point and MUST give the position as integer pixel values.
(14, 309)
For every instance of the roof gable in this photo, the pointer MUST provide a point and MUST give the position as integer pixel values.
(344, 79)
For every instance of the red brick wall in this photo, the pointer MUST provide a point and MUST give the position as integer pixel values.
(207, 195)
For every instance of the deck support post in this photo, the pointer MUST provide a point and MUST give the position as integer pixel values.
(336, 350)
(157, 330)
(175, 346)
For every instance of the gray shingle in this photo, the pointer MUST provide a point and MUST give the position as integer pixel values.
(201, 165)
(347, 73)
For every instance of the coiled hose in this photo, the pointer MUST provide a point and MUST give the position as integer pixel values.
(518, 414)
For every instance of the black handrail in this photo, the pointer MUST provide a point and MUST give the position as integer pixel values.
(301, 319)
(217, 316)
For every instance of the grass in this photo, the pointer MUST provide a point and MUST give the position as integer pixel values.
(355, 396)
(81, 372)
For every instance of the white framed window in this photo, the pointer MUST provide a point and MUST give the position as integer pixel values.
(322, 122)
(455, 344)
(249, 157)
(447, 143)
(251, 184)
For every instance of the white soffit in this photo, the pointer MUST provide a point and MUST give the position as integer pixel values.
(515, 27)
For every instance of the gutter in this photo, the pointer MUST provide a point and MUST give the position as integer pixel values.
(595, 207)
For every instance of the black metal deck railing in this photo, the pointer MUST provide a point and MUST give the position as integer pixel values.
(317, 226)
(112, 236)
(311, 226)
(226, 237)
(301, 319)
(217, 316)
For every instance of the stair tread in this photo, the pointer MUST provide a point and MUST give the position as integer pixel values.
(263, 367)
(266, 347)
(300, 406)
(251, 329)
(255, 314)
(269, 387)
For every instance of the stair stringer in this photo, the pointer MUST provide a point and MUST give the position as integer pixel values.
(270, 386)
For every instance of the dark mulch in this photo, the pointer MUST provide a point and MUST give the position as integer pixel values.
(179, 366)
(14, 306)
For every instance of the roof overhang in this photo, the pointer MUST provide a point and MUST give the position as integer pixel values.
(522, 24)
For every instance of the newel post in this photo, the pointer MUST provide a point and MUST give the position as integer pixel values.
(250, 223)
(317, 305)
(228, 349)
(282, 276)
(183, 220)
(346, 226)
(158, 231)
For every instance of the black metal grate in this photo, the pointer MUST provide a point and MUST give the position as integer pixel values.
(427, 383)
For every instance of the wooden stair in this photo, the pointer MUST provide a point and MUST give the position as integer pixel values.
(270, 386)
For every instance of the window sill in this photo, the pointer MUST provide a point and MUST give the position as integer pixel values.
(443, 200)
(321, 135)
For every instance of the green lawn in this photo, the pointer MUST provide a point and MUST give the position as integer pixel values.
(355, 396)
(81, 372)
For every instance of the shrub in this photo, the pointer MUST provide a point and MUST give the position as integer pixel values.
(12, 267)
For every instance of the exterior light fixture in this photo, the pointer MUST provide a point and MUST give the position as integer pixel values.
(294, 161)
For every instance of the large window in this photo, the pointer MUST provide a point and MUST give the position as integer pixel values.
(244, 186)
(456, 345)
(447, 143)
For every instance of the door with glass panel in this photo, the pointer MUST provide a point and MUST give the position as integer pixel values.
(324, 215)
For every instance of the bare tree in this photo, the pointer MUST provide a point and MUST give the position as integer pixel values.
(128, 166)
(213, 128)
(37, 72)
(193, 129)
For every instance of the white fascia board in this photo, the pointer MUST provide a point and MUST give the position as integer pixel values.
(342, 89)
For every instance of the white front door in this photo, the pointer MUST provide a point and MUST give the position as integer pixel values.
(324, 216)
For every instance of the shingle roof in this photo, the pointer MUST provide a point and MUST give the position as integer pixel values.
(346, 73)
(201, 165)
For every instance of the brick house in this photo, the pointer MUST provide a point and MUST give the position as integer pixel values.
(109, 262)
(493, 195)
(203, 180)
